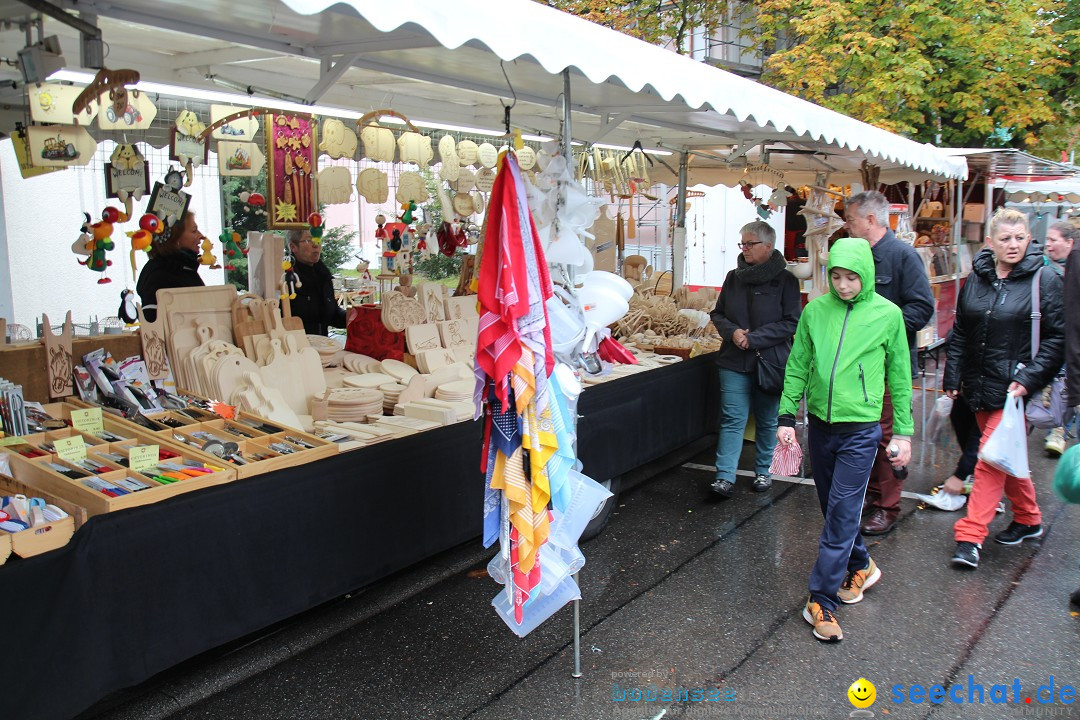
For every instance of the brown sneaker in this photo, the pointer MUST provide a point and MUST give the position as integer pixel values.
(824, 621)
(851, 591)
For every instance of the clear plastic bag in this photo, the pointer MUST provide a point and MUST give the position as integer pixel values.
(1006, 448)
(938, 424)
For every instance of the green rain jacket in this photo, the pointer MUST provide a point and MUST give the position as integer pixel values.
(843, 352)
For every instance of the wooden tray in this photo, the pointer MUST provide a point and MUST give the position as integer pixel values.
(40, 539)
(34, 473)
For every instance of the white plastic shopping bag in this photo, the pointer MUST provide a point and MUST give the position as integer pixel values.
(1006, 448)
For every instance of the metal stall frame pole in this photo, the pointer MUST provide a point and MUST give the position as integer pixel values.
(678, 239)
(568, 153)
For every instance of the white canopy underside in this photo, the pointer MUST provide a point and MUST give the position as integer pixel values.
(440, 62)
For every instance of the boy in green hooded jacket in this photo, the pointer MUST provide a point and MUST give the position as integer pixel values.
(848, 344)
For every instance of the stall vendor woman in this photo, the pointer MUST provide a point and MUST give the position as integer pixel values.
(173, 263)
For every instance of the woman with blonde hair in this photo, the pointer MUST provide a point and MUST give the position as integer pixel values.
(990, 360)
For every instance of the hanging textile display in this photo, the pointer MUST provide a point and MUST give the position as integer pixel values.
(536, 503)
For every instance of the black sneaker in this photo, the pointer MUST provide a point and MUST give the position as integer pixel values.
(1017, 533)
(1074, 600)
(722, 489)
(967, 553)
(762, 483)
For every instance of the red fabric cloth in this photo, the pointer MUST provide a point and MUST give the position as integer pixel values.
(502, 285)
(368, 336)
(987, 489)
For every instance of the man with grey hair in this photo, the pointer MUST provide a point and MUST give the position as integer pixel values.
(756, 314)
(314, 302)
(900, 277)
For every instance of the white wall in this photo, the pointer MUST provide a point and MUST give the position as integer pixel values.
(42, 217)
(712, 232)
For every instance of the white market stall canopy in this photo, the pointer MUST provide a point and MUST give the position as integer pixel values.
(1011, 165)
(1057, 192)
(445, 63)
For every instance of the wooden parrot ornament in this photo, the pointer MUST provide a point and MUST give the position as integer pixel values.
(231, 247)
(97, 240)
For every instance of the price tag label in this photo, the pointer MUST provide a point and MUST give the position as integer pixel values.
(88, 421)
(72, 449)
(12, 440)
(143, 457)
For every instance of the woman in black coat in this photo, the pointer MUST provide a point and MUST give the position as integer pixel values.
(757, 312)
(173, 263)
(990, 356)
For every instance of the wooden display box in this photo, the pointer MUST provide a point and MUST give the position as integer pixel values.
(36, 473)
(40, 539)
(230, 430)
(127, 429)
(256, 443)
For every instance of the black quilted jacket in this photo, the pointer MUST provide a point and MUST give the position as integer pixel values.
(991, 339)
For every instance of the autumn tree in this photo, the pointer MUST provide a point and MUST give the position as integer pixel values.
(952, 72)
(654, 21)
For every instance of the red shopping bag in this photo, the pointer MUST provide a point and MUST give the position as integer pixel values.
(787, 460)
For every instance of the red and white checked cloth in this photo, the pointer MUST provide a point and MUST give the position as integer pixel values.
(786, 460)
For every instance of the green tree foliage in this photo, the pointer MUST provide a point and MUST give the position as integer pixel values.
(439, 266)
(337, 248)
(953, 72)
(242, 217)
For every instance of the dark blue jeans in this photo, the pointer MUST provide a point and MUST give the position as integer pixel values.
(842, 464)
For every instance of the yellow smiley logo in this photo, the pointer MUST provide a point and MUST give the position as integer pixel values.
(862, 693)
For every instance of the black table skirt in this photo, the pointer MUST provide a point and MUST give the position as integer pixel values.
(138, 591)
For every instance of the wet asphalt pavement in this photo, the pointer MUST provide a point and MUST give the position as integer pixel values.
(679, 593)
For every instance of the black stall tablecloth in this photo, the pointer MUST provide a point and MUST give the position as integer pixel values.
(140, 590)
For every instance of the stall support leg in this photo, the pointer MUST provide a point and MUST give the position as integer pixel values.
(922, 412)
(577, 631)
(569, 155)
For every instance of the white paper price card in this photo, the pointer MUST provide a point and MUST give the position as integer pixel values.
(143, 457)
(72, 449)
(88, 420)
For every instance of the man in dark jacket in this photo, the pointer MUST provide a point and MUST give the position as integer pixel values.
(900, 277)
(1072, 349)
(756, 314)
(314, 302)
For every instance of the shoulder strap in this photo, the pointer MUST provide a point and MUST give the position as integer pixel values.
(1036, 312)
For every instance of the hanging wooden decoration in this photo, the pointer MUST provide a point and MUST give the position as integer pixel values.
(415, 148)
(239, 158)
(60, 145)
(291, 147)
(448, 158)
(51, 103)
(239, 129)
(335, 185)
(22, 153)
(137, 114)
(467, 152)
(378, 143)
(372, 184)
(187, 145)
(168, 201)
(411, 188)
(338, 140)
(126, 175)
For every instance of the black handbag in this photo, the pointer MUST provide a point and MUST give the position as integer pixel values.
(770, 376)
